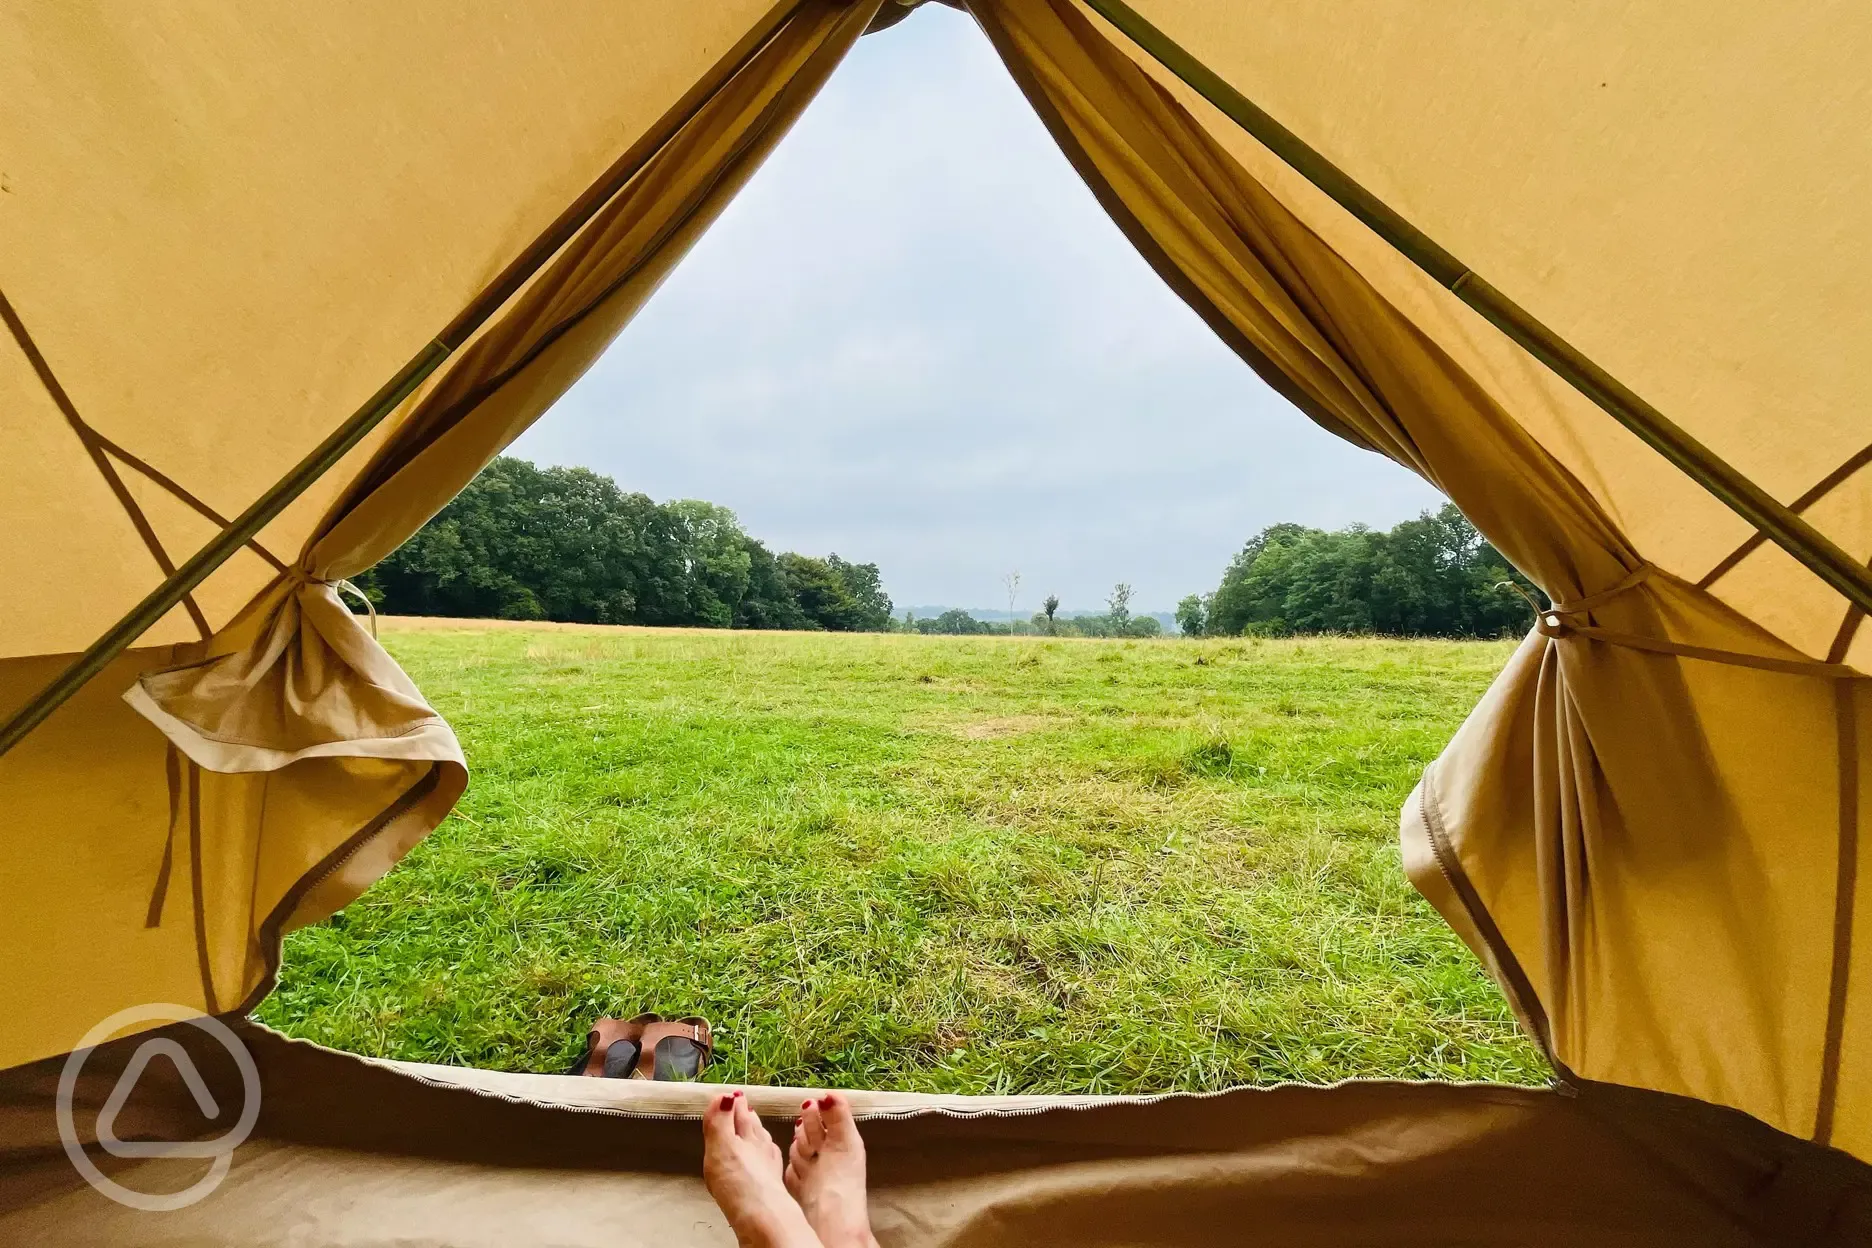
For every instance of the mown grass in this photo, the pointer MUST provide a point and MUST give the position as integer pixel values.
(939, 864)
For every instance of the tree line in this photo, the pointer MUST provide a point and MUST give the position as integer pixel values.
(1434, 576)
(529, 543)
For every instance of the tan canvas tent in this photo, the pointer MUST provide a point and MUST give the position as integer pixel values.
(278, 282)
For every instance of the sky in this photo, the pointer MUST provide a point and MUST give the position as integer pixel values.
(915, 339)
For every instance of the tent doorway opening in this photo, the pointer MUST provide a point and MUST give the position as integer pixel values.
(1084, 856)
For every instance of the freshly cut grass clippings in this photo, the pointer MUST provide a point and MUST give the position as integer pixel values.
(928, 863)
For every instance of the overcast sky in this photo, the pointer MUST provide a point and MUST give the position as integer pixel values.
(915, 339)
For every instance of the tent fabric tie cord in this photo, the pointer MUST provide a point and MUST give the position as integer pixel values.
(277, 285)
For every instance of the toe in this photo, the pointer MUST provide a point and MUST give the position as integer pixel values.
(813, 1123)
(835, 1112)
(746, 1122)
(718, 1121)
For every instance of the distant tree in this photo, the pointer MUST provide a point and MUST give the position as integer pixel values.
(864, 584)
(1011, 582)
(715, 554)
(522, 543)
(1189, 616)
(770, 601)
(821, 593)
(1050, 605)
(1120, 608)
(955, 622)
(1432, 576)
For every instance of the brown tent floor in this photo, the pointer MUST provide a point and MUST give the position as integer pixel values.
(351, 1152)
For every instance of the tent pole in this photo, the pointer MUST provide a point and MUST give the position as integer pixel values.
(1767, 514)
(248, 524)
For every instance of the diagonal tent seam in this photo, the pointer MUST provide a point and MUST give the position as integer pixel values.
(94, 445)
(1842, 640)
(156, 476)
(1855, 613)
(179, 582)
(1820, 489)
(1775, 521)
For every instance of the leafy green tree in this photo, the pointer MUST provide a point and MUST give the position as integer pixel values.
(1120, 608)
(1432, 576)
(521, 543)
(1050, 606)
(864, 585)
(955, 622)
(838, 596)
(770, 601)
(716, 558)
(822, 596)
(1189, 615)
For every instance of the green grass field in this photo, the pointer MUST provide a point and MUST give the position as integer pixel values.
(924, 863)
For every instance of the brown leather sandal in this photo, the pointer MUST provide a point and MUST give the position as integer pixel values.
(679, 1049)
(613, 1047)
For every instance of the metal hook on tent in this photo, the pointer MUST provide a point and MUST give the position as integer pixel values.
(361, 596)
(1551, 620)
(1542, 616)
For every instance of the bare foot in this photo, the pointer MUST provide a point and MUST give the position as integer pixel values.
(741, 1166)
(826, 1173)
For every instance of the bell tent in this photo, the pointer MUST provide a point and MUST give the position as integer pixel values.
(278, 282)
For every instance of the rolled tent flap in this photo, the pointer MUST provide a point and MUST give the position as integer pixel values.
(1667, 904)
(311, 684)
(352, 766)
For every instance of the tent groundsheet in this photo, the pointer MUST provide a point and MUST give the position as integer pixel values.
(349, 1151)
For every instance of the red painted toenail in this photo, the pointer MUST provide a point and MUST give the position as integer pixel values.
(825, 1102)
(805, 1104)
(737, 1091)
(727, 1102)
